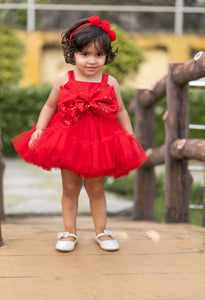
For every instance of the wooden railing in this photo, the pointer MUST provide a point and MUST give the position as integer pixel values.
(178, 147)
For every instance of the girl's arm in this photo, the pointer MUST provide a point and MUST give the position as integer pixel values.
(122, 115)
(48, 109)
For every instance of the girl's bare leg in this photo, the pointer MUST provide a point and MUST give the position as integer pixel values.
(72, 184)
(95, 190)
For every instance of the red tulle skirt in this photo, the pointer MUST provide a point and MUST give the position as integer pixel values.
(93, 147)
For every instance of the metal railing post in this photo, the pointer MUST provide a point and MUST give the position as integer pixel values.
(31, 15)
(179, 17)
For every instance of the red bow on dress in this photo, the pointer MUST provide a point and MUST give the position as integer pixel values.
(71, 107)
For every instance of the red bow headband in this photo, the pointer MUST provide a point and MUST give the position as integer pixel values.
(95, 20)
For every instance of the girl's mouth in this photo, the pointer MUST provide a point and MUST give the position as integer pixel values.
(91, 68)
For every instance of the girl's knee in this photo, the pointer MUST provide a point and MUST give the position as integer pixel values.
(94, 189)
(72, 188)
(72, 183)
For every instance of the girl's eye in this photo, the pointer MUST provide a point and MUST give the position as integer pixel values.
(100, 54)
(84, 54)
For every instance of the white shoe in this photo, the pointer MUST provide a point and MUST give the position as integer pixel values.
(66, 246)
(109, 245)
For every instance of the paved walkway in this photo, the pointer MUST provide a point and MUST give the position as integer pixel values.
(31, 190)
(156, 261)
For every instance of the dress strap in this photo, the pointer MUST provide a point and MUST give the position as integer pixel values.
(71, 75)
(105, 77)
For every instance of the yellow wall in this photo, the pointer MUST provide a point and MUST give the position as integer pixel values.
(42, 65)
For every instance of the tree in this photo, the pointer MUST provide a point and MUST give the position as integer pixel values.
(128, 58)
(10, 52)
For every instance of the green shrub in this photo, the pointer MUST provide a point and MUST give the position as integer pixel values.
(128, 58)
(123, 185)
(197, 115)
(20, 108)
(196, 195)
(10, 52)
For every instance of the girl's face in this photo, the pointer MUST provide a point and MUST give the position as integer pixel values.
(90, 60)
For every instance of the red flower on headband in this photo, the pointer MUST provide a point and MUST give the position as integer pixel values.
(95, 20)
(105, 25)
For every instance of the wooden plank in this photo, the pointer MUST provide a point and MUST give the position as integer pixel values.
(170, 267)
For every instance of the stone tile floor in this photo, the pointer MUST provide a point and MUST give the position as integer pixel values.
(31, 190)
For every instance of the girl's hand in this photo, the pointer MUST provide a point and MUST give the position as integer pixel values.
(37, 133)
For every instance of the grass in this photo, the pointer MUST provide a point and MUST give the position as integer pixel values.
(124, 186)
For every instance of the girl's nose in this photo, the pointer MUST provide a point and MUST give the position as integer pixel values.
(91, 59)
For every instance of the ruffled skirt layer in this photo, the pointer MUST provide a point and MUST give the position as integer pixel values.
(93, 147)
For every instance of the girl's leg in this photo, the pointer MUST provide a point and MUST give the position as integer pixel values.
(95, 190)
(72, 184)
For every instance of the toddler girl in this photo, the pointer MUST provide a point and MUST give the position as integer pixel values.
(84, 129)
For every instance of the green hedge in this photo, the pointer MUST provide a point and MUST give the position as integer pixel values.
(11, 51)
(19, 111)
(20, 108)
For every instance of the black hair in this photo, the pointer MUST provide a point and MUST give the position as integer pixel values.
(83, 37)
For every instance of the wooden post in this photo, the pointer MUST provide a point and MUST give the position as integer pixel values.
(145, 185)
(2, 215)
(2, 166)
(178, 178)
(204, 206)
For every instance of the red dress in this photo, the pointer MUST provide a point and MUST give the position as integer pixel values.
(83, 135)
